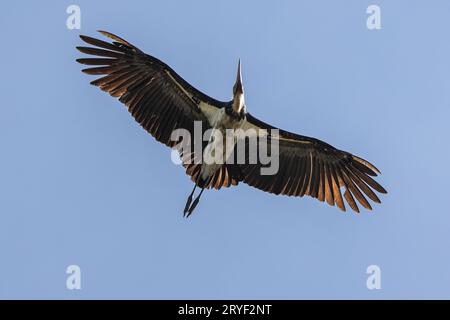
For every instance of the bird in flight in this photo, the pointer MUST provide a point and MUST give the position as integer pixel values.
(161, 102)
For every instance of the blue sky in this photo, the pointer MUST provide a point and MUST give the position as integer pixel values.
(81, 183)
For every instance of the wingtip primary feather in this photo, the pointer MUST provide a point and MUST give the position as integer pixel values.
(367, 164)
(115, 38)
(83, 37)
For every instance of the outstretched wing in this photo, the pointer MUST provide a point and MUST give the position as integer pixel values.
(155, 95)
(308, 166)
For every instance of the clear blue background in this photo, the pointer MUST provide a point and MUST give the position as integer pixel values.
(81, 183)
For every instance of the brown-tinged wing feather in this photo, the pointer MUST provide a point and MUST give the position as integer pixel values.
(155, 95)
(308, 166)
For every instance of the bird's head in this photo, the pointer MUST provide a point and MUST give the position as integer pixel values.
(238, 93)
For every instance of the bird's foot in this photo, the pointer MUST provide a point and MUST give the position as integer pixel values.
(188, 202)
(190, 208)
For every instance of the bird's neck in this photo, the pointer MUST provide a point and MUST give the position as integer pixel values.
(238, 104)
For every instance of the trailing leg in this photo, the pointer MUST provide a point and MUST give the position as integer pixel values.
(189, 200)
(194, 204)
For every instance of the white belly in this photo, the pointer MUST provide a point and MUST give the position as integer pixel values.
(223, 146)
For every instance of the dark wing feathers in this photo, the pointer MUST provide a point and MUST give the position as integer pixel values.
(158, 98)
(161, 101)
(308, 166)
(155, 95)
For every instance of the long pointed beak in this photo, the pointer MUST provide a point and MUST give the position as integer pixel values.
(239, 88)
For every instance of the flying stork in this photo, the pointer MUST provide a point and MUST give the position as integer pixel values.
(161, 101)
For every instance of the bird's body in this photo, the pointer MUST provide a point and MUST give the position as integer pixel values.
(163, 102)
(221, 122)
